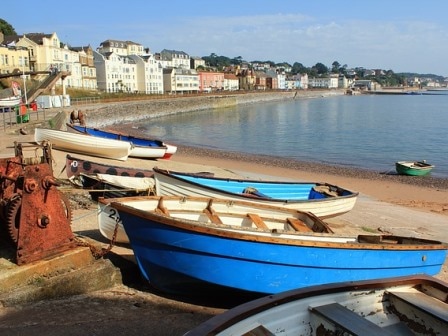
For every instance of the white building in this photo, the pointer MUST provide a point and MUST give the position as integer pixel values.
(115, 73)
(300, 82)
(324, 82)
(281, 80)
(122, 48)
(180, 80)
(174, 59)
(149, 74)
(83, 71)
(231, 82)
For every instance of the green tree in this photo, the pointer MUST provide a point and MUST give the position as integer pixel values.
(298, 68)
(335, 67)
(6, 28)
(321, 68)
(237, 60)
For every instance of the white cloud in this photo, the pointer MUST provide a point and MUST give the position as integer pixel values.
(401, 45)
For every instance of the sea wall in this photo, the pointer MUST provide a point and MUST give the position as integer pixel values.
(100, 115)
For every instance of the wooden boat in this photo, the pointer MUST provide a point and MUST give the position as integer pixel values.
(142, 147)
(322, 199)
(84, 144)
(112, 186)
(182, 244)
(414, 305)
(108, 216)
(413, 168)
(75, 166)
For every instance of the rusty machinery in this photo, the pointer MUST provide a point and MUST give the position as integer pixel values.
(33, 212)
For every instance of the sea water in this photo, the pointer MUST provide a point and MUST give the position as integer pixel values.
(364, 131)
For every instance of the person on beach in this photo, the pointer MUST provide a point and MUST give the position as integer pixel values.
(78, 116)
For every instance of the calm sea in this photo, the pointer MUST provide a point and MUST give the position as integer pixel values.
(366, 131)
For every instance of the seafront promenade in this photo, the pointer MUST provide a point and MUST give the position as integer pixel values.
(101, 114)
(130, 111)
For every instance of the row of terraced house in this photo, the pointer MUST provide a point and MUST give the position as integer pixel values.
(126, 66)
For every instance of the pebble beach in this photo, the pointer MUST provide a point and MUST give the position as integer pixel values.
(392, 202)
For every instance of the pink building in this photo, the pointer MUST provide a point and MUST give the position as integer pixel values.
(210, 81)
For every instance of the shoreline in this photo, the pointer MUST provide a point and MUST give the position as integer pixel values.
(310, 166)
(423, 193)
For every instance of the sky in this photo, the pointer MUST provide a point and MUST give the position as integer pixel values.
(397, 35)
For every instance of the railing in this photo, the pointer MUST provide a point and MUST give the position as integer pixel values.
(20, 116)
(85, 101)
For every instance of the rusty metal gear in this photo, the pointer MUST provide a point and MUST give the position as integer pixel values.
(13, 215)
(13, 218)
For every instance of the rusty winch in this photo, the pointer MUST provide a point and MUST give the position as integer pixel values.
(34, 214)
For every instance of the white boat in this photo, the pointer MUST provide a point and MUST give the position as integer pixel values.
(84, 144)
(112, 186)
(10, 101)
(148, 152)
(11, 97)
(322, 199)
(144, 148)
(413, 305)
(109, 219)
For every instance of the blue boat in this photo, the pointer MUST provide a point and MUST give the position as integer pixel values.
(181, 246)
(142, 147)
(322, 199)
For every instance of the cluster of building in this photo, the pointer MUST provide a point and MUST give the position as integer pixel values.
(126, 66)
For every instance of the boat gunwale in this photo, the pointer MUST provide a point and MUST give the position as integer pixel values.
(160, 143)
(223, 321)
(249, 234)
(70, 159)
(411, 165)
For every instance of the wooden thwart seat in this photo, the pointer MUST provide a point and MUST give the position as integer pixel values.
(422, 302)
(298, 225)
(257, 221)
(348, 321)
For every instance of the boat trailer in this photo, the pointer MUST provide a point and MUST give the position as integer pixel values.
(35, 216)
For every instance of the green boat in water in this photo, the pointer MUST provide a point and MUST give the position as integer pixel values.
(413, 168)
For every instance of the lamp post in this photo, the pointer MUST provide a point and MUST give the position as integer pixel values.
(24, 78)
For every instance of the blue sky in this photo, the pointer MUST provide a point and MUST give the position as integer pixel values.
(404, 36)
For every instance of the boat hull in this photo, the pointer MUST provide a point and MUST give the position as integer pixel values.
(375, 301)
(84, 144)
(113, 186)
(75, 166)
(144, 148)
(298, 196)
(177, 255)
(413, 168)
(10, 101)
